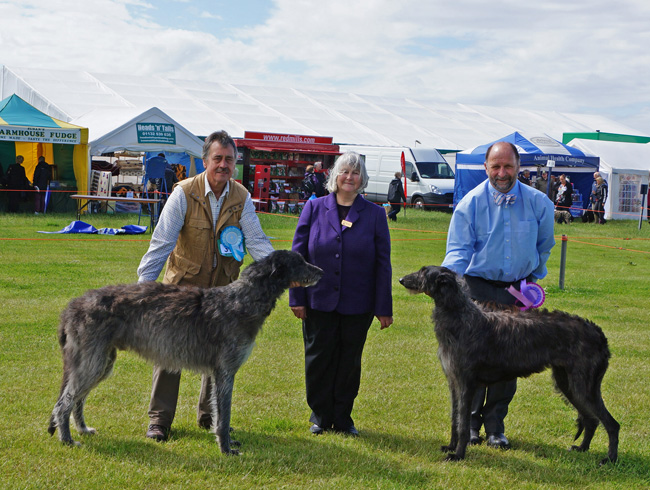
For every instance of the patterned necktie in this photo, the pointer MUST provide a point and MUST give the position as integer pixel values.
(500, 198)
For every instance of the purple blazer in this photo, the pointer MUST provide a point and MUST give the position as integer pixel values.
(355, 259)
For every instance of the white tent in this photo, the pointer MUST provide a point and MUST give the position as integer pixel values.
(205, 106)
(152, 130)
(625, 166)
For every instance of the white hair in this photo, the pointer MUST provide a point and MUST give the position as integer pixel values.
(353, 161)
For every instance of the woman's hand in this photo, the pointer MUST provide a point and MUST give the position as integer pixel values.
(385, 321)
(299, 312)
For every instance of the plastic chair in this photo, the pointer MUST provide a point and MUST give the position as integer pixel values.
(154, 169)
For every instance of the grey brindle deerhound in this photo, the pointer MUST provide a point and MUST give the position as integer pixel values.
(478, 345)
(207, 330)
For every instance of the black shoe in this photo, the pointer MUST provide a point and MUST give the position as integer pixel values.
(350, 431)
(497, 440)
(316, 430)
(474, 438)
(158, 433)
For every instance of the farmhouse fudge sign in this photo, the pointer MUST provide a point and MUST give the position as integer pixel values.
(41, 135)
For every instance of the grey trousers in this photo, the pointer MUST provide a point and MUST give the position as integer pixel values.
(164, 397)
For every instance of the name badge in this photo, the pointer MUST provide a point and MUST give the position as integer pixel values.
(346, 223)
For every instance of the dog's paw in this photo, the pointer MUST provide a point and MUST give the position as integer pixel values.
(606, 461)
(453, 457)
(578, 449)
(235, 443)
(447, 449)
(88, 430)
(230, 452)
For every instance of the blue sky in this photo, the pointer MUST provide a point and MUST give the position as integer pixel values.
(555, 55)
(204, 16)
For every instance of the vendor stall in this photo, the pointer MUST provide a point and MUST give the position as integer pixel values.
(26, 131)
(272, 166)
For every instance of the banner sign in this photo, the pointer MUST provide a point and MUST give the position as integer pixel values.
(288, 138)
(566, 159)
(41, 135)
(156, 133)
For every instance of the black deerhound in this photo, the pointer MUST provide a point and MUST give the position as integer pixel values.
(479, 346)
(208, 330)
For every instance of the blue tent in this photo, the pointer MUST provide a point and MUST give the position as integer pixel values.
(535, 152)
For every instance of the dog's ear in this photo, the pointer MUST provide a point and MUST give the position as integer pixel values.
(276, 264)
(282, 263)
(445, 282)
(428, 278)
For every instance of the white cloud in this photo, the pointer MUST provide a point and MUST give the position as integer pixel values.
(566, 55)
(209, 15)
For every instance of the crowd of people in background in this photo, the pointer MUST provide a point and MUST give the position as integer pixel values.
(17, 183)
(560, 191)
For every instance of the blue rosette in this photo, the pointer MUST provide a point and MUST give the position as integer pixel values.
(231, 243)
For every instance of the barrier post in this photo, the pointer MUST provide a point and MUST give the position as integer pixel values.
(644, 191)
(563, 261)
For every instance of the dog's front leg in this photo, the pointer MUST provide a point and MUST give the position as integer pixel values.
(453, 394)
(465, 396)
(221, 405)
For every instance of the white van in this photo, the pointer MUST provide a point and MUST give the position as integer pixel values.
(430, 179)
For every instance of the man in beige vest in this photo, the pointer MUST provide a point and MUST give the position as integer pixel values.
(187, 238)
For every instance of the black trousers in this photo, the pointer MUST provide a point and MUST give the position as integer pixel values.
(395, 208)
(333, 348)
(490, 404)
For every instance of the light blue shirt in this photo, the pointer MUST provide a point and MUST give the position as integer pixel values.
(172, 219)
(501, 243)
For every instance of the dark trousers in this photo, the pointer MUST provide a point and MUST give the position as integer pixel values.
(333, 348)
(15, 198)
(164, 397)
(599, 212)
(39, 201)
(394, 209)
(490, 404)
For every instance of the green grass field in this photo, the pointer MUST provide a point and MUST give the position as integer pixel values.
(402, 410)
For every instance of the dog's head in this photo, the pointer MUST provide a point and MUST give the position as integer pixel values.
(433, 281)
(292, 270)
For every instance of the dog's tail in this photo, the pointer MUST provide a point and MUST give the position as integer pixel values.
(52, 427)
(581, 427)
(62, 337)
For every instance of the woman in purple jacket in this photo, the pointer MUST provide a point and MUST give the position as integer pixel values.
(348, 238)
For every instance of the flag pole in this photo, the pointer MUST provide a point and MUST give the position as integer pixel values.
(403, 161)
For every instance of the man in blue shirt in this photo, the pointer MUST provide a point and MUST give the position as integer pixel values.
(500, 233)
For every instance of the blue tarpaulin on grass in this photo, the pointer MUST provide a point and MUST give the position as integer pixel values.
(81, 227)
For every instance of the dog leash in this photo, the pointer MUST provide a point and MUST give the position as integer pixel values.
(530, 295)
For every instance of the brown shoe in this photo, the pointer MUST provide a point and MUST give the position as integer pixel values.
(157, 432)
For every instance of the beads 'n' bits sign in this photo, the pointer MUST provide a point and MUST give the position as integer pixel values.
(156, 133)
